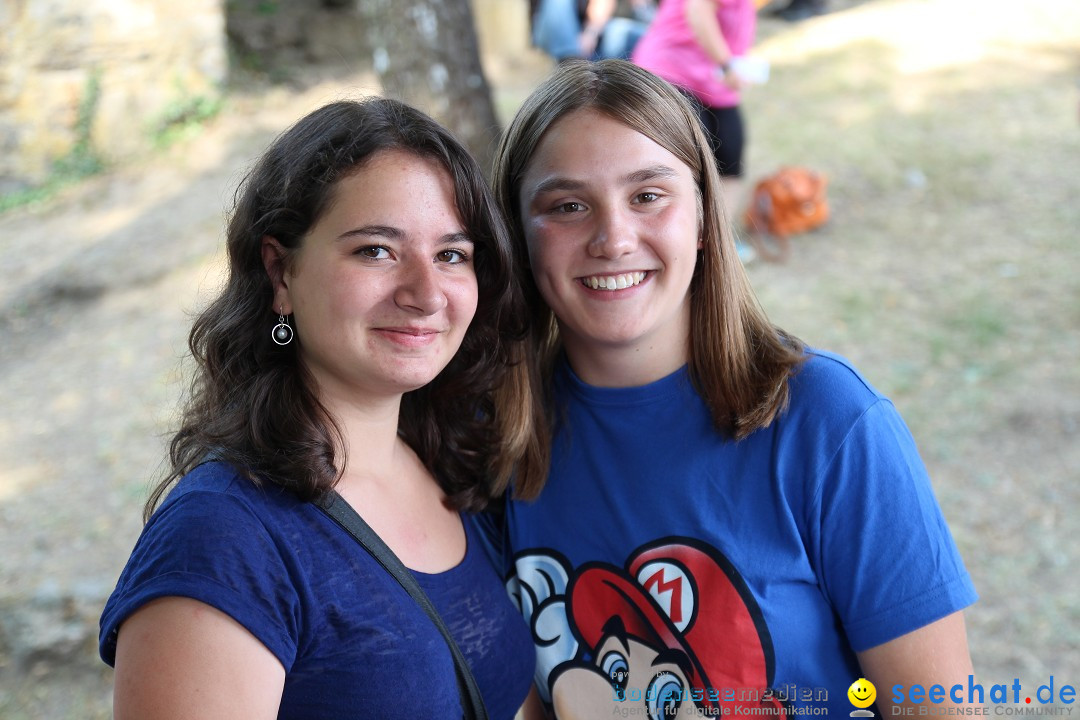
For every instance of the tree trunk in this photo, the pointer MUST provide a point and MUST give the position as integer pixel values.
(426, 53)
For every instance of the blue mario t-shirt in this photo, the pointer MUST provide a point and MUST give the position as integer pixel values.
(667, 567)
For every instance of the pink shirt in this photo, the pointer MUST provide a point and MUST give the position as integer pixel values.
(669, 49)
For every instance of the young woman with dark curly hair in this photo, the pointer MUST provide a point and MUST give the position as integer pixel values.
(365, 344)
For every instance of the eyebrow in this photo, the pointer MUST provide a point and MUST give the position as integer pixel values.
(557, 183)
(383, 231)
(390, 232)
(652, 172)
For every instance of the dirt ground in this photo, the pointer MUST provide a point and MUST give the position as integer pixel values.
(949, 130)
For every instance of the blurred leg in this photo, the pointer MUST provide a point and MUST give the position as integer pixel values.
(619, 38)
(556, 28)
(801, 9)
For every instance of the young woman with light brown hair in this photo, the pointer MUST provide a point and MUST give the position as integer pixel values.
(733, 522)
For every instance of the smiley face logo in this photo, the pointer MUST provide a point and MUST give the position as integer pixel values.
(862, 693)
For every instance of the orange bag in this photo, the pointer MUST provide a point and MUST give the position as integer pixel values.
(788, 202)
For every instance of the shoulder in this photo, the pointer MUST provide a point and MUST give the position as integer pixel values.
(832, 405)
(218, 492)
(219, 539)
(214, 477)
(217, 520)
(215, 512)
(829, 381)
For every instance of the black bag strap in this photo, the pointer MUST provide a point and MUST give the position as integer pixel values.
(342, 513)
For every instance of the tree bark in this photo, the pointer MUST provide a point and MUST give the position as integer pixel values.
(426, 53)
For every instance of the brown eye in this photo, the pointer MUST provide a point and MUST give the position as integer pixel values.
(373, 252)
(452, 257)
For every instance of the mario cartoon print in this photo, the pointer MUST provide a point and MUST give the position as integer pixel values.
(676, 633)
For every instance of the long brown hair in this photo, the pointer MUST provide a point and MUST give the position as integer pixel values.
(253, 404)
(739, 362)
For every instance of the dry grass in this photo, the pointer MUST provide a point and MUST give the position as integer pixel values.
(950, 130)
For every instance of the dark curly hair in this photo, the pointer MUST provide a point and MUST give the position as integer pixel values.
(253, 404)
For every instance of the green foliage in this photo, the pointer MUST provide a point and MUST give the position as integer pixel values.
(80, 162)
(83, 161)
(184, 117)
(258, 7)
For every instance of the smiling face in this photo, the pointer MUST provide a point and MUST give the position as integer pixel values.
(862, 693)
(383, 286)
(611, 222)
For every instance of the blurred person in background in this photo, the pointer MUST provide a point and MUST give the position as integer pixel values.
(694, 45)
(590, 29)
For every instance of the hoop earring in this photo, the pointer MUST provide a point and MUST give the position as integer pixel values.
(282, 333)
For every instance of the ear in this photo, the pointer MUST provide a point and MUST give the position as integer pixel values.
(273, 257)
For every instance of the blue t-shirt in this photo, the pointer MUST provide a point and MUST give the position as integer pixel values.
(351, 639)
(664, 563)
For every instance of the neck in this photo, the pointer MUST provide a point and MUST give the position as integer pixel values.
(371, 446)
(388, 485)
(622, 366)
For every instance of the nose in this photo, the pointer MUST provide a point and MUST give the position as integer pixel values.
(613, 236)
(419, 289)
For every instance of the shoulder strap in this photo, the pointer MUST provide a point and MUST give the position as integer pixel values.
(343, 514)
